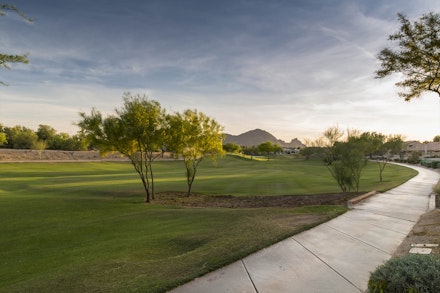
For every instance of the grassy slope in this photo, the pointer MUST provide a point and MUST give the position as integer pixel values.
(71, 227)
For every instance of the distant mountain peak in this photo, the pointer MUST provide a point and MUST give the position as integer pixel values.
(259, 136)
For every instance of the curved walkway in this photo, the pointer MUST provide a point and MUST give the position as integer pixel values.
(336, 256)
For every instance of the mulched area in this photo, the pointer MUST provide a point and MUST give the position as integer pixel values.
(426, 231)
(229, 201)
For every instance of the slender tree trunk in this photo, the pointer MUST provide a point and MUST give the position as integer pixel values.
(148, 197)
(152, 180)
(139, 167)
(381, 168)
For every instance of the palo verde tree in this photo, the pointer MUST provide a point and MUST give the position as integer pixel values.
(416, 55)
(194, 136)
(137, 131)
(6, 59)
(381, 148)
(344, 159)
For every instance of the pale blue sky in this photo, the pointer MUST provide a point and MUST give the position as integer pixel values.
(293, 68)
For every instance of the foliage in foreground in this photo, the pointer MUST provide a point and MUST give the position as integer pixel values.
(411, 273)
(416, 55)
(5, 59)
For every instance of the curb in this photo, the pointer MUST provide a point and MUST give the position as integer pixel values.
(431, 205)
(352, 202)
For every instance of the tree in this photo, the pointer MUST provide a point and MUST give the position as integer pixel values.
(392, 146)
(45, 132)
(231, 148)
(144, 121)
(5, 59)
(195, 136)
(20, 137)
(137, 131)
(269, 148)
(251, 151)
(310, 151)
(344, 159)
(63, 141)
(3, 139)
(436, 138)
(416, 56)
(347, 161)
(381, 148)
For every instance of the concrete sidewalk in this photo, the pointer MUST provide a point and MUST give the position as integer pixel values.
(336, 256)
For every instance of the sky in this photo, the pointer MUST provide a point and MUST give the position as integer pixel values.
(293, 68)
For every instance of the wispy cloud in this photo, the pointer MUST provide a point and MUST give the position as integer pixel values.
(292, 68)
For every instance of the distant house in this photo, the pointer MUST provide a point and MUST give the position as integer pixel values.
(428, 149)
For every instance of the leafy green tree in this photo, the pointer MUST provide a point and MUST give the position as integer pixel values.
(231, 148)
(46, 132)
(20, 137)
(63, 141)
(346, 163)
(416, 56)
(381, 148)
(3, 139)
(195, 136)
(436, 138)
(137, 131)
(144, 121)
(344, 159)
(5, 59)
(269, 148)
(251, 150)
(392, 146)
(311, 151)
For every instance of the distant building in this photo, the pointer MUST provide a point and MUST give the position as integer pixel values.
(428, 149)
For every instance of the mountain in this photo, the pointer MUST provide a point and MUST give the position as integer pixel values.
(258, 136)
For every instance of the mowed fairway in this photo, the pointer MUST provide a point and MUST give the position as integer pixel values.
(82, 227)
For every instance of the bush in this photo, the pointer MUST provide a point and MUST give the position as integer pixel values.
(410, 273)
(436, 188)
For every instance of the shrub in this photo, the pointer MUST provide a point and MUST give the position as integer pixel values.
(410, 273)
(436, 188)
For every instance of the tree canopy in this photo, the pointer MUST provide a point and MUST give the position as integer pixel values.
(137, 132)
(141, 130)
(416, 55)
(195, 136)
(346, 155)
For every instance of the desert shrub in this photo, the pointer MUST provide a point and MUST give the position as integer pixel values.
(414, 157)
(411, 273)
(436, 188)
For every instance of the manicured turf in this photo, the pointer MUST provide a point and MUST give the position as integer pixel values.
(82, 227)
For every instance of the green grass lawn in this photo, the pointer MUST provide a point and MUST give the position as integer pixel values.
(82, 227)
